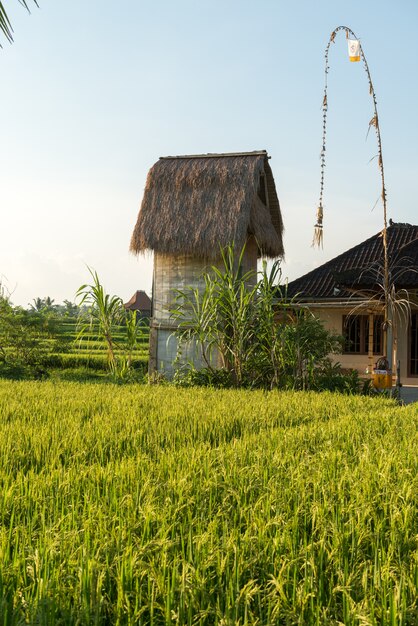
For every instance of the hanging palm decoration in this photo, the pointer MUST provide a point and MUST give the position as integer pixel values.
(356, 54)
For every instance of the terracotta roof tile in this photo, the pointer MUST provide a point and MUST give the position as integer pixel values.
(140, 301)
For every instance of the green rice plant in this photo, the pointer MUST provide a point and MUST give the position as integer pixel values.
(160, 505)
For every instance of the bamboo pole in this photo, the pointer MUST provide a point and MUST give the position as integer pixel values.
(318, 231)
(370, 344)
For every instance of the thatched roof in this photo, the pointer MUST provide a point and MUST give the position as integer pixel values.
(197, 204)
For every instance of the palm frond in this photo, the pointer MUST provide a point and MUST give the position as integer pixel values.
(5, 24)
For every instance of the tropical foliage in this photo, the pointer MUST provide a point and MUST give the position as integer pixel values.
(45, 340)
(5, 25)
(105, 314)
(250, 328)
(27, 338)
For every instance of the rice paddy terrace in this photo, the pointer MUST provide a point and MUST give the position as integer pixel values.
(154, 505)
(90, 352)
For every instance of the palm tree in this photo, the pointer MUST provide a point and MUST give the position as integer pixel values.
(70, 308)
(42, 304)
(38, 304)
(5, 25)
(49, 303)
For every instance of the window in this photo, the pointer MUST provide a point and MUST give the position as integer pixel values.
(356, 334)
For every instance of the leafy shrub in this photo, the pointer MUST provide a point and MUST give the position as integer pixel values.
(252, 331)
(205, 377)
(26, 341)
(331, 377)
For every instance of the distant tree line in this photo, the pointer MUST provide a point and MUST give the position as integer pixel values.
(32, 337)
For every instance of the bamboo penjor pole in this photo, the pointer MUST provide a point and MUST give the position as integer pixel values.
(374, 122)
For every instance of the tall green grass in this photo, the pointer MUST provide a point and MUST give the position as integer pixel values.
(156, 505)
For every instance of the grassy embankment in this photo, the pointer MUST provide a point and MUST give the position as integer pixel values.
(156, 505)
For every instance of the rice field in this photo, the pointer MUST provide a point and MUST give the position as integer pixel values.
(155, 505)
(90, 351)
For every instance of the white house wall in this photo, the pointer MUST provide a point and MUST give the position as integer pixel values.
(333, 321)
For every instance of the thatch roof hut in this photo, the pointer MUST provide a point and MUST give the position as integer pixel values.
(192, 207)
(197, 204)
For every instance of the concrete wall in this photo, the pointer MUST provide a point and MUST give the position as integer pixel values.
(173, 273)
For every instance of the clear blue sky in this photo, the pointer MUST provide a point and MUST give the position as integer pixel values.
(94, 92)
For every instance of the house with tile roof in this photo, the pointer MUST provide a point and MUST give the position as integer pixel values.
(347, 294)
(140, 302)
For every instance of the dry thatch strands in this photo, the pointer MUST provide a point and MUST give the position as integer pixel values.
(196, 205)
